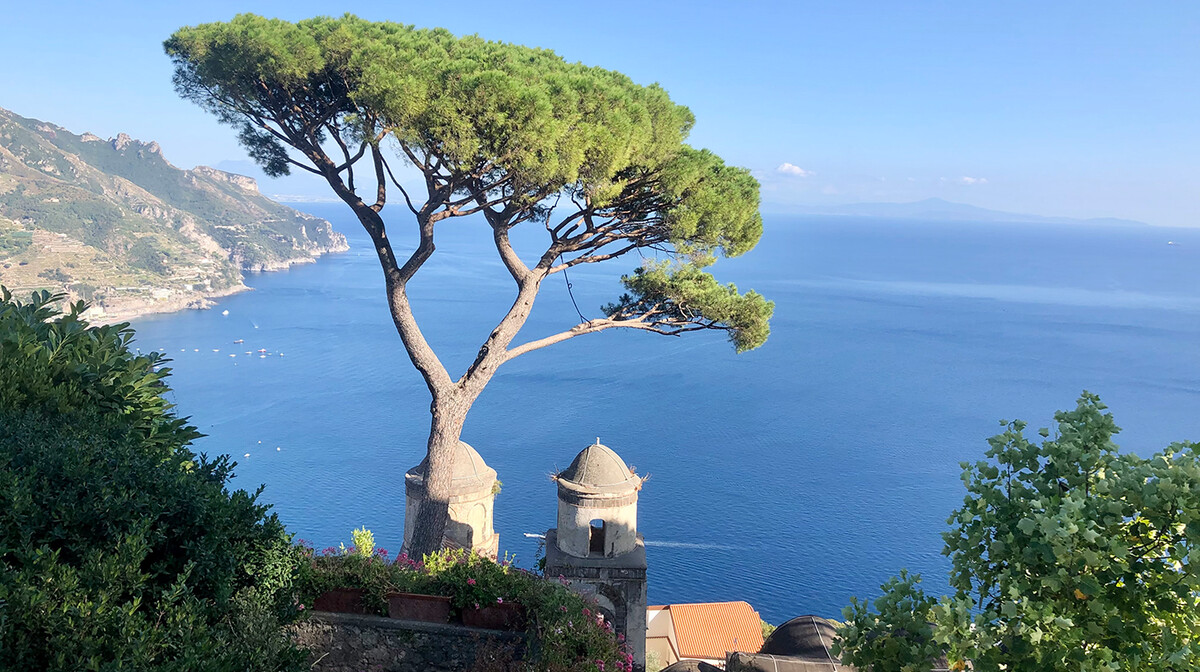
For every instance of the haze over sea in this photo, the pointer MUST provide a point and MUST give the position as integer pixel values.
(791, 477)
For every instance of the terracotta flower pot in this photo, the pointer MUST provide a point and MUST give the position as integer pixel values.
(505, 616)
(341, 600)
(412, 607)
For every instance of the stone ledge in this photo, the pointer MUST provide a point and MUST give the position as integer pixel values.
(384, 623)
(360, 643)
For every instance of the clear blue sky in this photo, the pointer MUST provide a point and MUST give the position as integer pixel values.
(1062, 108)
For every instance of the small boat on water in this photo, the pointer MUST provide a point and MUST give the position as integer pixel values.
(262, 349)
(240, 340)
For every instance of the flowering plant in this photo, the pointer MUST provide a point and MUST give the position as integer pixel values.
(568, 633)
(470, 580)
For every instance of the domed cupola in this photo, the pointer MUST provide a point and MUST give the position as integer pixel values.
(597, 504)
(472, 496)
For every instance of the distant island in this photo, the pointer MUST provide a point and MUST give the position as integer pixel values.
(936, 209)
(114, 223)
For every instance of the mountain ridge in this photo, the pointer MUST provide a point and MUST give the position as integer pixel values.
(113, 222)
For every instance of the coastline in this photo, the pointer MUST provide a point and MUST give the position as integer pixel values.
(133, 308)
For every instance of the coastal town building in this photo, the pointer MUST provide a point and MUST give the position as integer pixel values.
(472, 497)
(596, 546)
(706, 631)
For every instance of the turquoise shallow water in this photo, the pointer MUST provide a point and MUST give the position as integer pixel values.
(792, 477)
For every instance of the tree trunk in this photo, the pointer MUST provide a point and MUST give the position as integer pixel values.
(449, 414)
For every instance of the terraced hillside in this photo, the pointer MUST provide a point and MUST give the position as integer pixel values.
(113, 222)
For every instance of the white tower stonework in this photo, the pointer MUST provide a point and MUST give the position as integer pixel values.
(596, 544)
(472, 496)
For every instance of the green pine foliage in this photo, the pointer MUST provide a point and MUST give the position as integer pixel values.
(120, 548)
(1066, 555)
(513, 131)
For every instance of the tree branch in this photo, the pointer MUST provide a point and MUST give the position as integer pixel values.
(403, 191)
(664, 327)
(303, 166)
(516, 268)
(381, 181)
(593, 258)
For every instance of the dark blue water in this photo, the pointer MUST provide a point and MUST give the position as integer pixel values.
(792, 477)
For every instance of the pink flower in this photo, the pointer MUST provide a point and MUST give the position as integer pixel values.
(476, 605)
(301, 607)
(470, 582)
(563, 608)
(600, 665)
(499, 600)
(586, 612)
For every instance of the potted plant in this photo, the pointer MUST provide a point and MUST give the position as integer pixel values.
(408, 597)
(341, 600)
(498, 615)
(480, 590)
(347, 580)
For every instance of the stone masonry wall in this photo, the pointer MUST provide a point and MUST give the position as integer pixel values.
(354, 643)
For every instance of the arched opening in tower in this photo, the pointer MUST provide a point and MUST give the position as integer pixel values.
(596, 540)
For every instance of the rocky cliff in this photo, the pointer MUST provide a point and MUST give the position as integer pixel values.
(113, 222)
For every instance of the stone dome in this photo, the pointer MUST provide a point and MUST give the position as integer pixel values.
(691, 666)
(598, 469)
(470, 471)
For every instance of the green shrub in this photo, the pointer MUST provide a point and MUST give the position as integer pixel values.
(897, 636)
(1066, 555)
(120, 548)
(57, 364)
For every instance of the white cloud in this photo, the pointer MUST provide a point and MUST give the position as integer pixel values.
(790, 169)
(971, 180)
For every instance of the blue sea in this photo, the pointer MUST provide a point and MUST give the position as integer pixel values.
(793, 476)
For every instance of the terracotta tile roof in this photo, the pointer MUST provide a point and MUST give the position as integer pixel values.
(710, 629)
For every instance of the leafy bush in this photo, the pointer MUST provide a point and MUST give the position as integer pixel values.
(120, 548)
(897, 636)
(1066, 555)
(57, 365)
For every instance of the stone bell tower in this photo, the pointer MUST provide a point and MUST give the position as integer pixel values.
(596, 545)
(472, 496)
